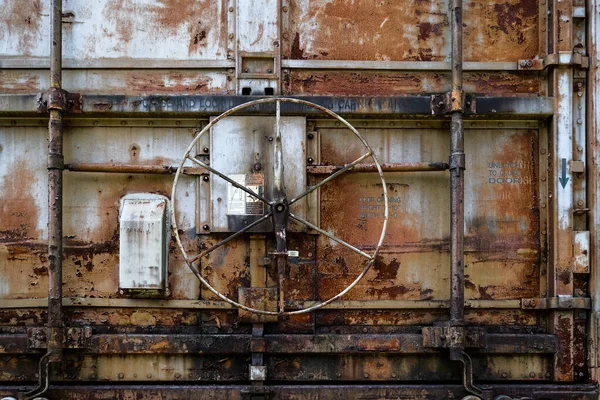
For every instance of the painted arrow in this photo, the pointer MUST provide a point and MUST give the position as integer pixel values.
(564, 179)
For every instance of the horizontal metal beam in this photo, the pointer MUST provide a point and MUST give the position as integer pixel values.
(397, 65)
(9, 62)
(385, 167)
(405, 343)
(221, 305)
(329, 391)
(191, 105)
(113, 63)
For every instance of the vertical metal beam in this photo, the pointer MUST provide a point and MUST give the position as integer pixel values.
(561, 190)
(457, 181)
(593, 187)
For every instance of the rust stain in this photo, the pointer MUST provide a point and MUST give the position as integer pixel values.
(16, 82)
(21, 19)
(388, 83)
(169, 16)
(18, 211)
(501, 31)
(369, 30)
(173, 82)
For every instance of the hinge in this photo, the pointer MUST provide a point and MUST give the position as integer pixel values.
(552, 60)
(561, 302)
(74, 338)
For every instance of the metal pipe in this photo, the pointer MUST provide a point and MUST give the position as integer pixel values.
(385, 167)
(55, 182)
(131, 168)
(56, 105)
(457, 185)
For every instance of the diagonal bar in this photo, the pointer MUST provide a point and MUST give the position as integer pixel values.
(228, 179)
(330, 236)
(228, 238)
(331, 177)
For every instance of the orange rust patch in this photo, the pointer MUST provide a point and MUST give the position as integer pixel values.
(368, 30)
(501, 31)
(18, 211)
(13, 82)
(388, 83)
(197, 18)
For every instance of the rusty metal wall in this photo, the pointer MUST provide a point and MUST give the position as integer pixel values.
(145, 77)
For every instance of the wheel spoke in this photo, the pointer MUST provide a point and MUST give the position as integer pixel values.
(330, 236)
(331, 177)
(228, 179)
(228, 238)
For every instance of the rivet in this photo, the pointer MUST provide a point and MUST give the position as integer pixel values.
(394, 375)
(177, 123)
(284, 9)
(230, 9)
(205, 178)
(580, 203)
(123, 123)
(13, 122)
(579, 121)
(121, 375)
(504, 375)
(205, 227)
(149, 376)
(310, 135)
(543, 151)
(150, 123)
(366, 375)
(338, 375)
(419, 124)
(337, 123)
(544, 232)
(365, 123)
(286, 36)
(579, 94)
(95, 123)
(177, 375)
(543, 205)
(392, 123)
(231, 36)
(135, 375)
(579, 149)
(365, 330)
(310, 160)
(543, 179)
(500, 124)
(205, 149)
(532, 374)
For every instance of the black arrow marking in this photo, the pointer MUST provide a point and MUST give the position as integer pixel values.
(564, 179)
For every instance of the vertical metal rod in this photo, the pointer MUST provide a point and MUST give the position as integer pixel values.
(55, 182)
(457, 183)
(280, 212)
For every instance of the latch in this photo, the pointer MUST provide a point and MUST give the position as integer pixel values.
(561, 302)
(562, 58)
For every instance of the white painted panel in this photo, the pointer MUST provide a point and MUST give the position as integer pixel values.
(143, 241)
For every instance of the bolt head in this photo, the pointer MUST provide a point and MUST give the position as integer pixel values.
(205, 227)
(205, 178)
(310, 160)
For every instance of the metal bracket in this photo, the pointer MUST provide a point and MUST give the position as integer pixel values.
(59, 99)
(452, 101)
(453, 336)
(552, 60)
(557, 303)
(74, 338)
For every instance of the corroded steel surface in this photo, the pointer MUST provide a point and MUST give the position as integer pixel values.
(148, 76)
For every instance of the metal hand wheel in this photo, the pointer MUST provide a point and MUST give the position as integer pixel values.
(279, 206)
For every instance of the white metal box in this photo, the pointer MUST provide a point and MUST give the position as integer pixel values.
(143, 242)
